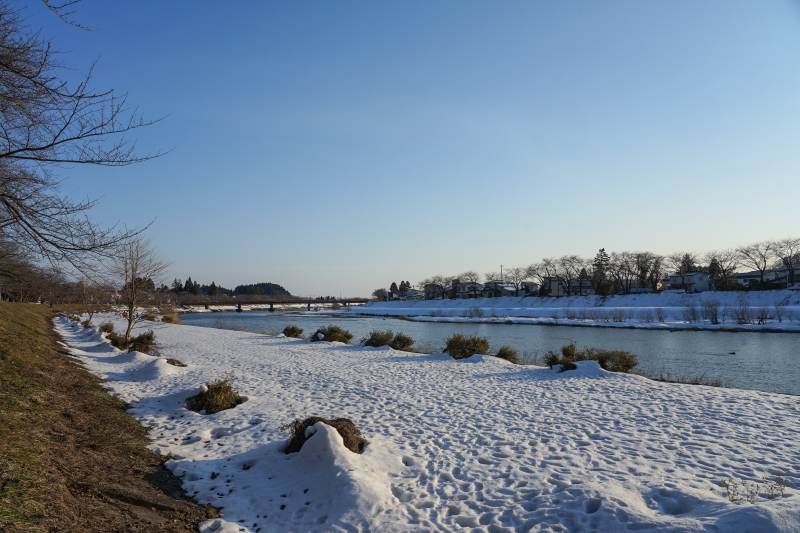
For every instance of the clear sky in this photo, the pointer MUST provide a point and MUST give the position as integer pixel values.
(340, 146)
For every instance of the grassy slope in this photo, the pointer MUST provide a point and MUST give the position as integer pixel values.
(71, 459)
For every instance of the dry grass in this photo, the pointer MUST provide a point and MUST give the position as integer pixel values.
(218, 396)
(293, 332)
(71, 459)
(331, 333)
(508, 353)
(352, 437)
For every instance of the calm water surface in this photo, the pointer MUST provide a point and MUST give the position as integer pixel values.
(757, 361)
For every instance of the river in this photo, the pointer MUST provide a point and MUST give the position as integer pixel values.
(759, 361)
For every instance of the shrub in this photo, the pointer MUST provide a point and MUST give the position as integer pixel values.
(332, 333)
(551, 358)
(402, 342)
(293, 331)
(709, 310)
(86, 323)
(473, 312)
(336, 306)
(508, 353)
(216, 396)
(117, 340)
(660, 315)
(145, 343)
(616, 360)
(171, 318)
(149, 316)
(690, 313)
(379, 338)
(175, 362)
(460, 346)
(741, 311)
(352, 437)
(611, 360)
(646, 315)
(106, 327)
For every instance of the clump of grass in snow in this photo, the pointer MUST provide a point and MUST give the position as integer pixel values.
(399, 341)
(215, 396)
(460, 346)
(331, 333)
(352, 437)
(293, 332)
(611, 360)
(508, 353)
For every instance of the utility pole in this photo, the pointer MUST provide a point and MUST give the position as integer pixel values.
(501, 274)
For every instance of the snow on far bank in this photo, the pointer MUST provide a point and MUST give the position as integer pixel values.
(476, 445)
(656, 311)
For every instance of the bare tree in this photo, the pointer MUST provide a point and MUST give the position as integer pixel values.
(516, 276)
(46, 123)
(136, 268)
(682, 263)
(722, 266)
(472, 277)
(788, 252)
(490, 281)
(569, 268)
(544, 271)
(379, 294)
(758, 255)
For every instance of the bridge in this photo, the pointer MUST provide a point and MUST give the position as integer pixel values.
(272, 303)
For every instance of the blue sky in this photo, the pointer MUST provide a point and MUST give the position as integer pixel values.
(340, 146)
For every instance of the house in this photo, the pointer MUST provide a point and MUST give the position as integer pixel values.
(777, 278)
(529, 288)
(469, 290)
(557, 286)
(415, 294)
(581, 287)
(433, 291)
(691, 282)
(495, 289)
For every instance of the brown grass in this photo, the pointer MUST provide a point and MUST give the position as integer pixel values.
(219, 396)
(352, 437)
(71, 459)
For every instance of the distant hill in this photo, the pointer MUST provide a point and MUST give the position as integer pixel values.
(258, 289)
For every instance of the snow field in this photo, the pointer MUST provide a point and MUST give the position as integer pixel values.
(476, 445)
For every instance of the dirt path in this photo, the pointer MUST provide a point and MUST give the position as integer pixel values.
(71, 459)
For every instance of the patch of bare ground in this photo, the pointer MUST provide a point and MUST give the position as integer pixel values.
(71, 459)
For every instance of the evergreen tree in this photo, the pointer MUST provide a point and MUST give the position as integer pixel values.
(213, 291)
(189, 285)
(393, 288)
(177, 285)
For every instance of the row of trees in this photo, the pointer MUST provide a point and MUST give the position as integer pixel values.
(621, 272)
(47, 241)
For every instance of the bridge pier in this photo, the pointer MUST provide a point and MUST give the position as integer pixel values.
(238, 308)
(309, 306)
(345, 304)
(271, 309)
(206, 306)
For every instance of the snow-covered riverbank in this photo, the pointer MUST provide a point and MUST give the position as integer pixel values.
(475, 445)
(735, 311)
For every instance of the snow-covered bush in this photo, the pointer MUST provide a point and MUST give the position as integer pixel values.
(331, 333)
(106, 327)
(460, 346)
(352, 437)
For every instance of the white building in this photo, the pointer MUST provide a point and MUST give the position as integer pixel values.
(469, 290)
(691, 282)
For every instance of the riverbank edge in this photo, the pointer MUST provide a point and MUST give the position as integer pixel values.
(71, 458)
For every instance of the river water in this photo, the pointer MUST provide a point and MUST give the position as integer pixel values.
(744, 360)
